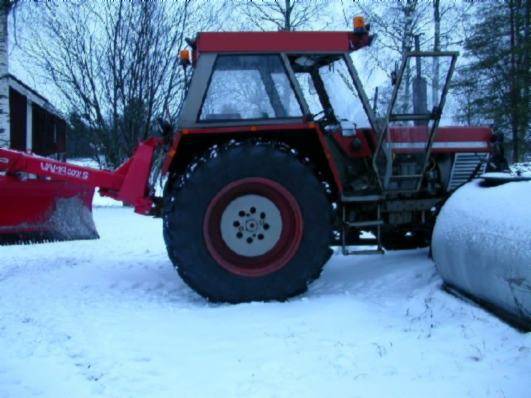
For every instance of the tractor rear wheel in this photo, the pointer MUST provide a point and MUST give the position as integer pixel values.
(250, 223)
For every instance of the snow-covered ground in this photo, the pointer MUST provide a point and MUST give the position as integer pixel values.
(111, 318)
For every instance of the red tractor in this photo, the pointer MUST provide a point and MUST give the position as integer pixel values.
(264, 172)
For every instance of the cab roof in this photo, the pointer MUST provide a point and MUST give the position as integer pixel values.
(278, 42)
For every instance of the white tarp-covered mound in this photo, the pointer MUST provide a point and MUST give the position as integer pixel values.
(482, 245)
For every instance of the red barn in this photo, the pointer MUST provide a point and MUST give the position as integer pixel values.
(34, 124)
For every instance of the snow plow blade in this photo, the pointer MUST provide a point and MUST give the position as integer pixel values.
(43, 199)
(40, 210)
(482, 250)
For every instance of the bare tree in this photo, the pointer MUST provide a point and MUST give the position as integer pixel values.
(116, 64)
(284, 15)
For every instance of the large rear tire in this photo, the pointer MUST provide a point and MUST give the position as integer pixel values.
(250, 223)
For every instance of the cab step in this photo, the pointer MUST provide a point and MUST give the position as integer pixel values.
(361, 224)
(361, 252)
(361, 198)
(374, 224)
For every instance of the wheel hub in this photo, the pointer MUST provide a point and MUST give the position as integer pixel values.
(251, 225)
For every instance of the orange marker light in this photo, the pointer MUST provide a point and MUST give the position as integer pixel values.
(184, 55)
(358, 22)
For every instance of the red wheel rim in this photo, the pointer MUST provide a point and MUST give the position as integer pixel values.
(289, 237)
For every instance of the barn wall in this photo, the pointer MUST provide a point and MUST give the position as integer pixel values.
(43, 134)
(49, 132)
(18, 108)
(32, 124)
(60, 125)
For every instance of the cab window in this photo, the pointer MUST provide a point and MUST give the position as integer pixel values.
(249, 87)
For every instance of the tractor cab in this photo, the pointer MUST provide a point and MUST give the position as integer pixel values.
(295, 78)
(270, 88)
(264, 78)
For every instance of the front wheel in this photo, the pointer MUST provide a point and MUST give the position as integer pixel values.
(251, 223)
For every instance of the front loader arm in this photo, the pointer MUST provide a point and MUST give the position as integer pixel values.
(128, 183)
(12, 162)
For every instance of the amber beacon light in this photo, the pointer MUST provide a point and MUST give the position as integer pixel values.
(358, 22)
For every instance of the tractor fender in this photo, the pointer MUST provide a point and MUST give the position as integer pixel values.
(307, 139)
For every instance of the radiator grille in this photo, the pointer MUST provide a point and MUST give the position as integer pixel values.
(464, 166)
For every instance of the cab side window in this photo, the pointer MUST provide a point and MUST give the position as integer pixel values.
(249, 87)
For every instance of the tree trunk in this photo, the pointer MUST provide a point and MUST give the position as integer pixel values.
(408, 10)
(287, 16)
(4, 80)
(514, 85)
(525, 78)
(436, 47)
